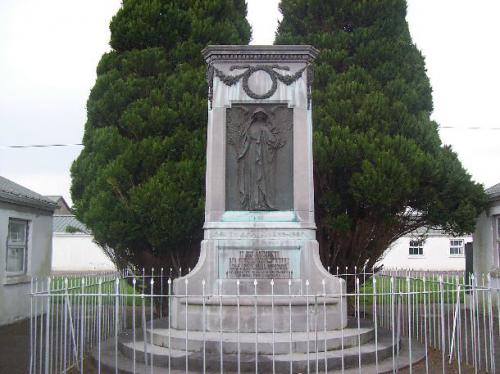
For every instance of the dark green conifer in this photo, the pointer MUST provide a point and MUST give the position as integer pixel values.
(380, 168)
(139, 182)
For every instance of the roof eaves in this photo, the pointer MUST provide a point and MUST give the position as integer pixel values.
(494, 191)
(13, 198)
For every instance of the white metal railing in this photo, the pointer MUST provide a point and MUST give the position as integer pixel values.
(77, 322)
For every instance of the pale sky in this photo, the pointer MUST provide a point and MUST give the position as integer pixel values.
(49, 51)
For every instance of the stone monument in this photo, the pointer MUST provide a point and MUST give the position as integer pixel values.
(259, 212)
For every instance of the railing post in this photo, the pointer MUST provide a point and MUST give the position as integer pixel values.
(393, 325)
(186, 281)
(47, 327)
(82, 323)
(491, 327)
(134, 281)
(143, 322)
(443, 332)
(117, 320)
(307, 322)
(204, 322)
(161, 293)
(65, 303)
(221, 344)
(374, 298)
(323, 284)
(151, 305)
(31, 326)
(477, 333)
(463, 339)
(425, 327)
(473, 333)
(272, 322)
(409, 299)
(99, 307)
(257, 330)
(359, 326)
(290, 322)
(484, 291)
(169, 282)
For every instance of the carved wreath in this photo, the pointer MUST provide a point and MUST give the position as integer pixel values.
(230, 80)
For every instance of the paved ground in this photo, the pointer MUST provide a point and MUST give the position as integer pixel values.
(14, 348)
(14, 354)
(435, 367)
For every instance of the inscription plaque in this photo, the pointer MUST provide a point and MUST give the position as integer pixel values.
(266, 263)
(259, 157)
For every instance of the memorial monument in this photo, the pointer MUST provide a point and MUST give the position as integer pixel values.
(259, 212)
(259, 298)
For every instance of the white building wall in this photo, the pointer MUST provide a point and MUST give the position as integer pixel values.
(485, 254)
(436, 254)
(77, 252)
(14, 290)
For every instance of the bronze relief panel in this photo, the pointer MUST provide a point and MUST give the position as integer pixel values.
(259, 157)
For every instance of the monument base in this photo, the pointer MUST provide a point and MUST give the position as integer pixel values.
(249, 314)
(251, 273)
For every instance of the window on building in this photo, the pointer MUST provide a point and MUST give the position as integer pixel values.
(456, 247)
(416, 248)
(17, 247)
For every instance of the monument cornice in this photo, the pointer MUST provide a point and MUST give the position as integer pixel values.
(259, 53)
(259, 58)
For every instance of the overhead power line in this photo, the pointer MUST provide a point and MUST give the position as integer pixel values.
(20, 146)
(40, 145)
(469, 128)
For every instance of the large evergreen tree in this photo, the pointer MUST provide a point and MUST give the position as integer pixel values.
(380, 168)
(139, 181)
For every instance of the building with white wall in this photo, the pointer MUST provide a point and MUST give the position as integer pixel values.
(74, 249)
(431, 250)
(25, 246)
(486, 250)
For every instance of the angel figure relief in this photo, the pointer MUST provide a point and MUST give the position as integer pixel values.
(256, 136)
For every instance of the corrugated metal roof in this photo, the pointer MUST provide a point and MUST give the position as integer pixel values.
(493, 191)
(68, 224)
(12, 192)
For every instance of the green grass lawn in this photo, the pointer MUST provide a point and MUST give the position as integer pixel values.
(78, 285)
(414, 288)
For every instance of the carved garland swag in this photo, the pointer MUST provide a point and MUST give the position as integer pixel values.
(230, 80)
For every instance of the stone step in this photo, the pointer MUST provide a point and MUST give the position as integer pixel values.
(125, 364)
(248, 313)
(233, 342)
(176, 358)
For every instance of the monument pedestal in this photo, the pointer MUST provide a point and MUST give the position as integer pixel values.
(222, 275)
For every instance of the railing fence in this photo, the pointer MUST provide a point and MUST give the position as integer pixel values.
(78, 322)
